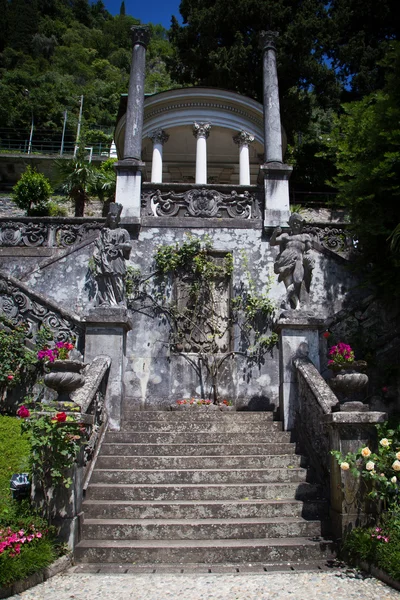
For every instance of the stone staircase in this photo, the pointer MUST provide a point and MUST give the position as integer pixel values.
(195, 487)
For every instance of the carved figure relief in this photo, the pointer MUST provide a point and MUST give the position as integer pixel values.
(112, 249)
(294, 263)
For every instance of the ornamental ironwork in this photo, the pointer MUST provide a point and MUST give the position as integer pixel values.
(203, 202)
(335, 239)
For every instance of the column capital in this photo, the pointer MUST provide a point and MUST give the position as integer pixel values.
(201, 130)
(243, 138)
(268, 39)
(140, 34)
(159, 136)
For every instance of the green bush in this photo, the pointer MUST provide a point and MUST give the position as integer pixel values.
(32, 192)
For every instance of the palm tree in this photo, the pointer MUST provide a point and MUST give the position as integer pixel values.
(77, 175)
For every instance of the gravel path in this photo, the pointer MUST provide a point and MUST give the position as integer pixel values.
(279, 586)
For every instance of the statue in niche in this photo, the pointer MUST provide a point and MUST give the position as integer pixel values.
(112, 249)
(294, 263)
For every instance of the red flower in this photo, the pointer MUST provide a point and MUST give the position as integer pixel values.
(385, 389)
(10, 377)
(326, 334)
(61, 417)
(23, 412)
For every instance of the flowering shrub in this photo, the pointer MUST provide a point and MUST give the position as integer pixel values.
(195, 402)
(55, 441)
(381, 469)
(340, 355)
(226, 402)
(60, 351)
(12, 541)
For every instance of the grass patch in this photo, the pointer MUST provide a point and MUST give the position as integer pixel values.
(14, 454)
(27, 543)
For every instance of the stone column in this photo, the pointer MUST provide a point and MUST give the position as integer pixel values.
(243, 139)
(159, 137)
(201, 131)
(129, 170)
(298, 337)
(274, 172)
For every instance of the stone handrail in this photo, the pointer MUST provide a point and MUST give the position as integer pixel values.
(90, 399)
(19, 303)
(315, 400)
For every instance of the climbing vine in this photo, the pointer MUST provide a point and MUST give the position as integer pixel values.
(191, 286)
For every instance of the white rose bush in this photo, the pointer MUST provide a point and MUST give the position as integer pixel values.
(380, 468)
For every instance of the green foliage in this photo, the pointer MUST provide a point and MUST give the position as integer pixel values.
(378, 545)
(77, 176)
(379, 469)
(17, 363)
(32, 192)
(33, 556)
(364, 145)
(14, 453)
(55, 440)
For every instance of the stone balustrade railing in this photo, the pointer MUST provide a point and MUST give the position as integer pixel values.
(47, 232)
(315, 400)
(20, 304)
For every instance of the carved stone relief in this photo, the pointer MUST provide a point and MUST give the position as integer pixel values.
(34, 235)
(204, 203)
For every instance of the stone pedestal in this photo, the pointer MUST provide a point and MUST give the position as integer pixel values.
(276, 189)
(349, 431)
(298, 337)
(106, 329)
(129, 186)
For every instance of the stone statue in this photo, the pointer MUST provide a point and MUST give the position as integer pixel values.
(112, 248)
(294, 263)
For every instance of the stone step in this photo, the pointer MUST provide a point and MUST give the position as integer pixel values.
(134, 416)
(221, 476)
(268, 491)
(198, 437)
(209, 509)
(202, 426)
(205, 529)
(126, 449)
(200, 462)
(276, 550)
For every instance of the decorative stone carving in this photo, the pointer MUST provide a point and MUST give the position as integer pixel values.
(140, 34)
(202, 202)
(268, 40)
(243, 138)
(65, 377)
(18, 305)
(33, 235)
(112, 248)
(335, 239)
(294, 263)
(201, 130)
(159, 136)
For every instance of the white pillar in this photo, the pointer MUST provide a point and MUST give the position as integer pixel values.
(243, 139)
(201, 131)
(159, 137)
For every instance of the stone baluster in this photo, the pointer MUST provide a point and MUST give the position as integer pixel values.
(158, 137)
(201, 131)
(243, 139)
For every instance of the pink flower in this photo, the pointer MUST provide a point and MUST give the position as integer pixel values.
(23, 412)
(384, 389)
(10, 377)
(38, 535)
(30, 537)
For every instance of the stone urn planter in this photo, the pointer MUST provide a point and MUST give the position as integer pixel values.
(64, 376)
(349, 383)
